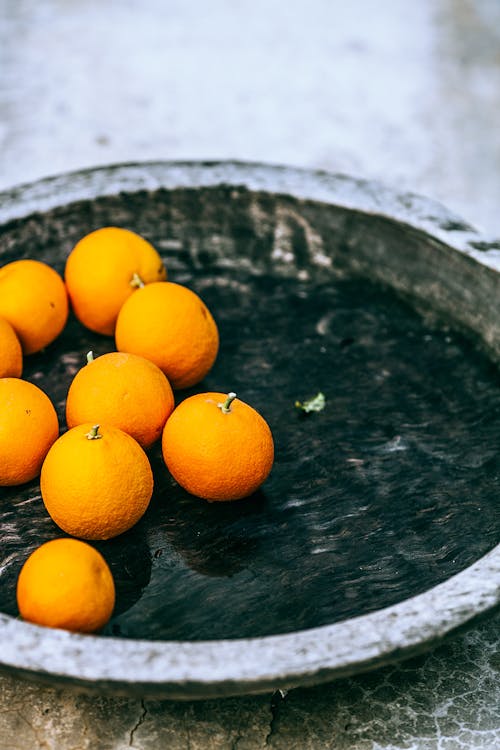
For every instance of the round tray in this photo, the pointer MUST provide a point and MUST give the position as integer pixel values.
(377, 533)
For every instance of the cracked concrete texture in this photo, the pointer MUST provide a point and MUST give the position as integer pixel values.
(44, 718)
(446, 700)
(424, 703)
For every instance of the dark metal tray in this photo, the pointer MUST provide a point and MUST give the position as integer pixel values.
(377, 532)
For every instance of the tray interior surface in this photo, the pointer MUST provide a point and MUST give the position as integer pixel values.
(389, 490)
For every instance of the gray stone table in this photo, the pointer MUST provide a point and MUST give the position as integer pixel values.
(407, 93)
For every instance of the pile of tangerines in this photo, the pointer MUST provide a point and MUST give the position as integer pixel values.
(96, 480)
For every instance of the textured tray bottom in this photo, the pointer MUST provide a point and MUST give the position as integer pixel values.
(386, 492)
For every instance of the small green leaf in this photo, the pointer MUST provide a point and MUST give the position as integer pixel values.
(317, 403)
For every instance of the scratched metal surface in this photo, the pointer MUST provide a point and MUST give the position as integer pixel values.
(387, 492)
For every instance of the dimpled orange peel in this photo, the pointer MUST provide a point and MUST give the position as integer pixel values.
(96, 482)
(121, 390)
(170, 325)
(217, 447)
(34, 301)
(11, 353)
(104, 268)
(28, 428)
(66, 583)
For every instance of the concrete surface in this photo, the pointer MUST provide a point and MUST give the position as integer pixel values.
(408, 93)
(399, 91)
(444, 701)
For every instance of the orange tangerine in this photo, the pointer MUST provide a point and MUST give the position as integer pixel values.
(103, 270)
(121, 390)
(11, 353)
(170, 325)
(34, 301)
(28, 427)
(66, 584)
(96, 482)
(217, 447)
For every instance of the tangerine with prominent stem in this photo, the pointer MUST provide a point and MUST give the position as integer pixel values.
(96, 482)
(218, 447)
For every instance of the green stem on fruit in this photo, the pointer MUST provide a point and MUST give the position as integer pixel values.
(94, 433)
(136, 281)
(226, 406)
(90, 357)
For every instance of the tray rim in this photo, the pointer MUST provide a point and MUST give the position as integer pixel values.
(204, 669)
